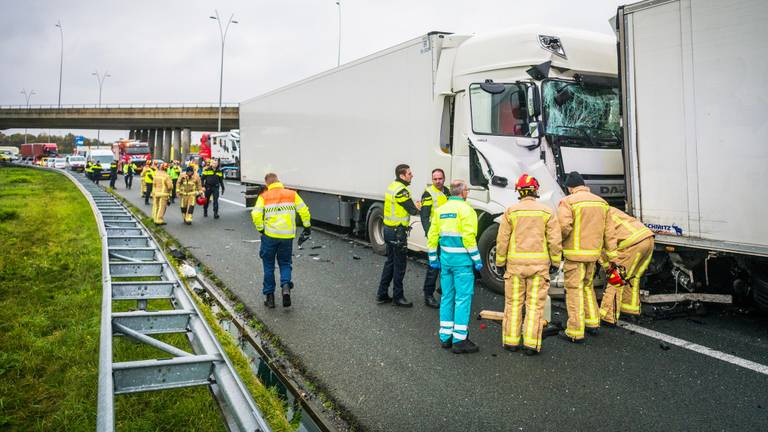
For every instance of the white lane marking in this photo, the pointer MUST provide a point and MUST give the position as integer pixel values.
(738, 361)
(233, 202)
(233, 183)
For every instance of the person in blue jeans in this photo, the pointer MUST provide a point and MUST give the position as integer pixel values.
(274, 216)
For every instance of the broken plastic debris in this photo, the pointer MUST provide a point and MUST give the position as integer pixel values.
(663, 346)
(355, 257)
(187, 271)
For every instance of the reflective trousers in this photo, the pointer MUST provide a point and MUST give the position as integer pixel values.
(187, 203)
(186, 213)
(529, 287)
(580, 298)
(272, 249)
(159, 204)
(458, 285)
(635, 259)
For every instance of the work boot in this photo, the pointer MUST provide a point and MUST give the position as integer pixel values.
(551, 329)
(564, 336)
(465, 347)
(205, 213)
(512, 348)
(594, 331)
(382, 300)
(429, 301)
(402, 302)
(287, 294)
(270, 301)
(529, 351)
(608, 324)
(446, 344)
(215, 215)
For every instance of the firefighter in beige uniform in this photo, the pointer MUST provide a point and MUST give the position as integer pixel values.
(633, 252)
(528, 243)
(582, 216)
(189, 187)
(161, 191)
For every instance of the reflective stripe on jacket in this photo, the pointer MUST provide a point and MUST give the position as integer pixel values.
(275, 212)
(436, 198)
(625, 231)
(161, 185)
(394, 212)
(148, 174)
(189, 185)
(529, 234)
(454, 231)
(582, 216)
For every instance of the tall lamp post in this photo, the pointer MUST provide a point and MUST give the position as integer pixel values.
(223, 33)
(27, 96)
(61, 57)
(100, 79)
(338, 57)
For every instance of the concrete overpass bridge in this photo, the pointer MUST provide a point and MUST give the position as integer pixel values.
(163, 126)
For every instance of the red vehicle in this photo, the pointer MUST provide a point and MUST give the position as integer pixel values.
(205, 146)
(38, 151)
(131, 151)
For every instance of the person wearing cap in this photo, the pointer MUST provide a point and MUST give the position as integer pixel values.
(161, 190)
(582, 216)
(189, 187)
(213, 180)
(528, 245)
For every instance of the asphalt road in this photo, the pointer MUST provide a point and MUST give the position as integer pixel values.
(385, 364)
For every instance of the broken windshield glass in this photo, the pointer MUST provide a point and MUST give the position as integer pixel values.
(571, 109)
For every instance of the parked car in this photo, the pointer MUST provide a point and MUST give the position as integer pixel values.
(49, 162)
(60, 163)
(76, 163)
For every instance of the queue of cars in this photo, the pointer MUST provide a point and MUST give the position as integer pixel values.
(71, 162)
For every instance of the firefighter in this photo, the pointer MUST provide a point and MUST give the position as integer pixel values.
(454, 232)
(129, 170)
(212, 179)
(97, 169)
(161, 189)
(433, 197)
(274, 216)
(173, 172)
(582, 216)
(189, 187)
(148, 174)
(112, 173)
(633, 252)
(398, 209)
(528, 244)
(88, 170)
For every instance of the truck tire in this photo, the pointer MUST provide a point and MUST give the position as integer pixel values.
(375, 225)
(486, 244)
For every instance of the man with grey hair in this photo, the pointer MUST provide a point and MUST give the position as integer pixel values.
(454, 230)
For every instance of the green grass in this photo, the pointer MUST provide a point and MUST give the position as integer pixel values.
(50, 298)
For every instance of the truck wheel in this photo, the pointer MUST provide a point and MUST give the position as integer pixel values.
(376, 230)
(493, 278)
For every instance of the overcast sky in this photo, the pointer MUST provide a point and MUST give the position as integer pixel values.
(168, 51)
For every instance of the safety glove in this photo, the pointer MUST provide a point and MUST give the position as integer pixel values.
(479, 265)
(435, 264)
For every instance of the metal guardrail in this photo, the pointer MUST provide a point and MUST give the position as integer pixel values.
(122, 105)
(130, 252)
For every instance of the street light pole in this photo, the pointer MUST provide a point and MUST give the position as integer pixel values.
(61, 58)
(100, 79)
(338, 57)
(27, 96)
(223, 34)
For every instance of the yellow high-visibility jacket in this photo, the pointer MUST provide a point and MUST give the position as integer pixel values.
(275, 212)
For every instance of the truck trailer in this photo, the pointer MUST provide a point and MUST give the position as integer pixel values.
(484, 108)
(38, 151)
(694, 113)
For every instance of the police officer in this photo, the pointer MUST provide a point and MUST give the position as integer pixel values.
(433, 197)
(274, 216)
(454, 232)
(97, 169)
(398, 209)
(112, 173)
(89, 170)
(213, 179)
(148, 174)
(129, 170)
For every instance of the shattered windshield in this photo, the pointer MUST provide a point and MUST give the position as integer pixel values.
(574, 110)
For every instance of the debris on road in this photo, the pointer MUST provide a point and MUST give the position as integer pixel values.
(187, 271)
(664, 346)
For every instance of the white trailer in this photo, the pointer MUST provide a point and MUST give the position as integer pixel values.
(694, 106)
(483, 108)
(225, 147)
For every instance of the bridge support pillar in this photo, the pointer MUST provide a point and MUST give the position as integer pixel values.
(144, 135)
(186, 140)
(158, 152)
(132, 134)
(151, 140)
(167, 144)
(176, 144)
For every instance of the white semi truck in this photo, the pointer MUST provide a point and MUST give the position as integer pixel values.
(485, 108)
(225, 147)
(693, 77)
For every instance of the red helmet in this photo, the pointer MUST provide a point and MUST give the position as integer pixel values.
(527, 182)
(201, 200)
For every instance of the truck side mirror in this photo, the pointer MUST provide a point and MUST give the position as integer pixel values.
(534, 101)
(536, 129)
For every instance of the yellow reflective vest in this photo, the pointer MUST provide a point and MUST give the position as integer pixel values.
(275, 212)
(454, 231)
(394, 212)
(433, 197)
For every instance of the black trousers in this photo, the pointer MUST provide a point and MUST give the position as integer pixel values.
(148, 193)
(430, 281)
(394, 268)
(128, 181)
(96, 176)
(112, 179)
(173, 195)
(211, 192)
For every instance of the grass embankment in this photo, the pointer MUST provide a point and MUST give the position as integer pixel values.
(50, 303)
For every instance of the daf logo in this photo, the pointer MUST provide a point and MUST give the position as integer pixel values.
(612, 190)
